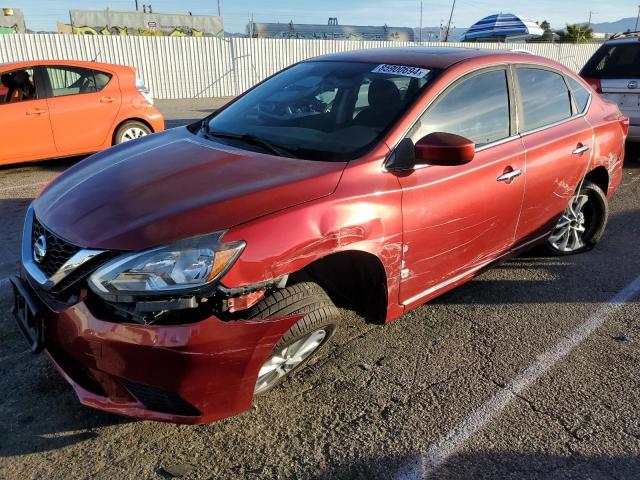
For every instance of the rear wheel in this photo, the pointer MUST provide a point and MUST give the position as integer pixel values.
(304, 339)
(582, 223)
(131, 130)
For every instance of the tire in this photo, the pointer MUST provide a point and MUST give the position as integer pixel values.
(131, 130)
(321, 315)
(592, 216)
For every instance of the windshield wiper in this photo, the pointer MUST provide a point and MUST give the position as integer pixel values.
(248, 138)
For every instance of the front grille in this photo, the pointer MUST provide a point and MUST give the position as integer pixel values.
(160, 400)
(74, 278)
(58, 250)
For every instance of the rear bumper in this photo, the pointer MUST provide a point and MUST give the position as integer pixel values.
(155, 119)
(193, 373)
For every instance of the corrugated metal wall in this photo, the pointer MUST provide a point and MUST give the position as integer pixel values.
(210, 67)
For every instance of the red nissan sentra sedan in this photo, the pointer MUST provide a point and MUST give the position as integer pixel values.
(176, 277)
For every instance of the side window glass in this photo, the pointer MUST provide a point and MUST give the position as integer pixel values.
(477, 109)
(101, 79)
(545, 98)
(580, 94)
(71, 81)
(17, 86)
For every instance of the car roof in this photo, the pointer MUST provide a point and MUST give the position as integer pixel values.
(76, 63)
(426, 57)
(616, 41)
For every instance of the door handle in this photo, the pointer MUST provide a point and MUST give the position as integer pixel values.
(107, 99)
(581, 150)
(507, 177)
(35, 111)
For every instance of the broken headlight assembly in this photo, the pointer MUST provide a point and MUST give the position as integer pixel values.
(172, 271)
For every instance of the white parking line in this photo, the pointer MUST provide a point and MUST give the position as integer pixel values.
(427, 464)
(14, 187)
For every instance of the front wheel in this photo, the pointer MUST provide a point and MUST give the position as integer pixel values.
(304, 339)
(582, 223)
(131, 130)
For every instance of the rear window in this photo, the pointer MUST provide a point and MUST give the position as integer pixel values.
(614, 61)
(75, 80)
(545, 98)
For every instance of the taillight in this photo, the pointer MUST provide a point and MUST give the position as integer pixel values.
(595, 83)
(144, 90)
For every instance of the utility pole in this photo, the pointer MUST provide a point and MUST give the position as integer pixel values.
(637, 18)
(590, 15)
(137, 7)
(446, 34)
(219, 9)
(420, 39)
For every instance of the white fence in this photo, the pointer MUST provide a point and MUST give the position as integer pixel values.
(210, 67)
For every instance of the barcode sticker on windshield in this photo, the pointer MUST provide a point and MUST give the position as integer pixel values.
(401, 70)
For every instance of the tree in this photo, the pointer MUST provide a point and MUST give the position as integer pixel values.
(546, 26)
(576, 33)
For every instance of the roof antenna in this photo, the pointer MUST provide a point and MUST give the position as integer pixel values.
(97, 55)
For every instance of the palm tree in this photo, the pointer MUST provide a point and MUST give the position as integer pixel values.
(576, 33)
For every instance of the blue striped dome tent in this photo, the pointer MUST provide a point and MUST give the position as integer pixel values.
(502, 27)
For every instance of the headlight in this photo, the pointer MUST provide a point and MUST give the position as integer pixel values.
(185, 265)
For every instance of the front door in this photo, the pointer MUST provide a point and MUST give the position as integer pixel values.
(458, 219)
(25, 129)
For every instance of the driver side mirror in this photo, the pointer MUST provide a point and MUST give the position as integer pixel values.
(445, 149)
(439, 148)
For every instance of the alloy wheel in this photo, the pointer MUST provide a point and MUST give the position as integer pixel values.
(572, 231)
(287, 358)
(132, 133)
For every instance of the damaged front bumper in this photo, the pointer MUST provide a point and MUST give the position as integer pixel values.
(194, 373)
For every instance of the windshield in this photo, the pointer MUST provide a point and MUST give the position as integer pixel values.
(332, 111)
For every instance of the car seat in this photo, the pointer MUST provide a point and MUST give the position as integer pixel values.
(384, 103)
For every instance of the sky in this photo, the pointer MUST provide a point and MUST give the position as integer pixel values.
(42, 14)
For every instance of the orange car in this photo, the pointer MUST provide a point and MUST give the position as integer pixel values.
(61, 108)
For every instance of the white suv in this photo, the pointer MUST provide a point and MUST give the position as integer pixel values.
(614, 72)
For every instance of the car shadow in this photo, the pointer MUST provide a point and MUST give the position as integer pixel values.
(632, 156)
(56, 164)
(40, 411)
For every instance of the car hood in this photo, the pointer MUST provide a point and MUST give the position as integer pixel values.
(171, 186)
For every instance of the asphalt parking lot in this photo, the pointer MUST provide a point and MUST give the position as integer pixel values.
(530, 371)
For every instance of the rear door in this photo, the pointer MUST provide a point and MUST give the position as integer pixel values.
(616, 66)
(458, 219)
(558, 143)
(25, 129)
(84, 104)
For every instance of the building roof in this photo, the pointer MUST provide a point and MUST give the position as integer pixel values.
(427, 57)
